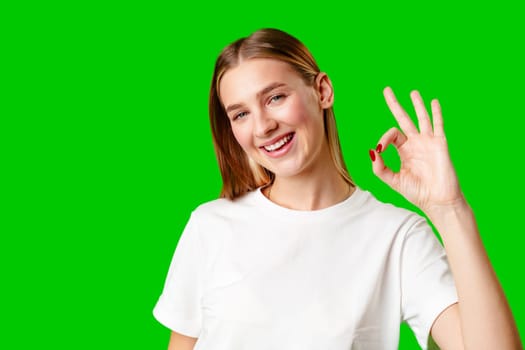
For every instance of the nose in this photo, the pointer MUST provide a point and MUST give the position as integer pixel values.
(264, 124)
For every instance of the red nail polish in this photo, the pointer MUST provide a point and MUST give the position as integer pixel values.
(379, 148)
(372, 155)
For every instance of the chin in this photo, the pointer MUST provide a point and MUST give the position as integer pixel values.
(287, 171)
(293, 166)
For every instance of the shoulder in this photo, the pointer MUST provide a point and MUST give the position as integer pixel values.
(223, 206)
(219, 212)
(388, 211)
(389, 217)
(214, 221)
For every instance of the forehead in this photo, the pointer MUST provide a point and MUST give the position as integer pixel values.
(251, 76)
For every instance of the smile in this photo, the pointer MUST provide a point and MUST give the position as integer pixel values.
(279, 143)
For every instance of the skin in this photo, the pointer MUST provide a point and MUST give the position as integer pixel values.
(482, 318)
(181, 342)
(306, 179)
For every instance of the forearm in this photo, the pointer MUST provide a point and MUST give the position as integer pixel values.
(486, 319)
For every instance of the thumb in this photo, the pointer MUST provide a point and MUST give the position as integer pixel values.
(382, 171)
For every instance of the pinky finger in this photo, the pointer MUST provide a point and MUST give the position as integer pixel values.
(382, 171)
(437, 118)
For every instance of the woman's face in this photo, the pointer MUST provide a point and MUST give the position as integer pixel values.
(275, 117)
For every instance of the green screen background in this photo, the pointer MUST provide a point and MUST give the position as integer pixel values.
(106, 146)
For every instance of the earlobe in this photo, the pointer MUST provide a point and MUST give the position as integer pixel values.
(325, 90)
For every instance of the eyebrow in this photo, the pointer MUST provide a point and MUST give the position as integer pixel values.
(264, 91)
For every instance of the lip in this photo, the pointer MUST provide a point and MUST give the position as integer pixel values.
(282, 151)
(275, 139)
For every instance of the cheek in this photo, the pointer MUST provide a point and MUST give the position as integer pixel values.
(294, 113)
(303, 112)
(242, 136)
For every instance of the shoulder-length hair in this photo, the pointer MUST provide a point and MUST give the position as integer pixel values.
(239, 172)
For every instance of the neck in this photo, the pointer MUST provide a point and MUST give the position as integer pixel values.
(319, 188)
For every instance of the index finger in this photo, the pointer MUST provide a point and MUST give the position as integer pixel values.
(399, 113)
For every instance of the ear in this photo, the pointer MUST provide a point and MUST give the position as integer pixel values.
(325, 90)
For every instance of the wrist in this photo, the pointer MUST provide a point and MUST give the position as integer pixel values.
(455, 223)
(456, 209)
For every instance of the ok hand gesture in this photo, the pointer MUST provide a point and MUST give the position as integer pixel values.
(427, 177)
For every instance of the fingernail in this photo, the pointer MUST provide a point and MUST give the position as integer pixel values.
(379, 148)
(372, 155)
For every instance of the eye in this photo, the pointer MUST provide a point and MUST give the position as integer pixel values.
(239, 115)
(276, 98)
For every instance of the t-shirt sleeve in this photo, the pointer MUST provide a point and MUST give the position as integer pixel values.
(427, 285)
(178, 307)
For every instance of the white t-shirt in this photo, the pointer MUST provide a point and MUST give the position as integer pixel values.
(250, 274)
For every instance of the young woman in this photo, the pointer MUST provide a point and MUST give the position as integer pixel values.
(295, 255)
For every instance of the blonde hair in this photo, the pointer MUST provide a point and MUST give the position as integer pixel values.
(239, 172)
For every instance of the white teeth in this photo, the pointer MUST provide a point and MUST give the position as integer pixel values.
(279, 143)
